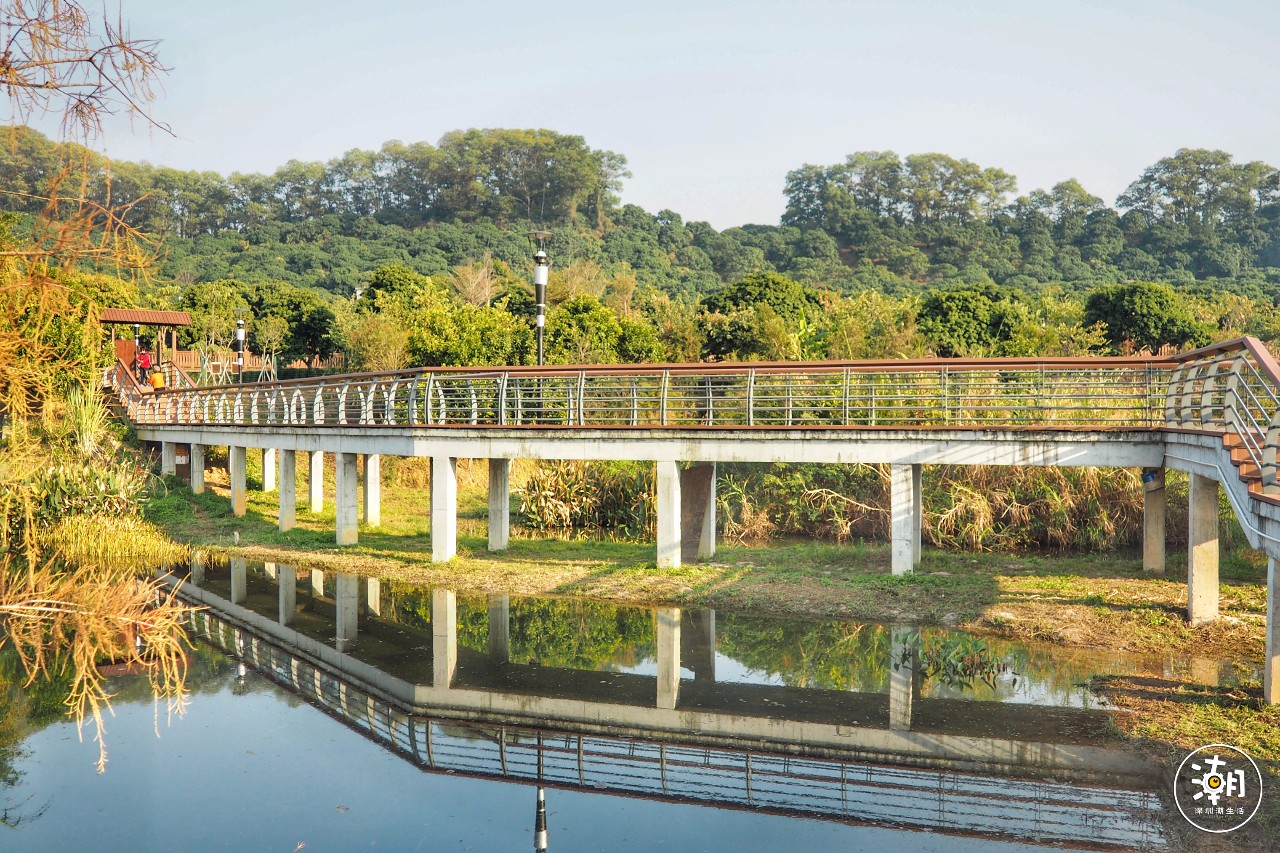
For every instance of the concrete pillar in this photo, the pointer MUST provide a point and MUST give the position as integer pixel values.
(168, 458)
(905, 517)
(347, 596)
(500, 628)
(315, 482)
(197, 469)
(668, 511)
(374, 596)
(317, 582)
(239, 497)
(288, 489)
(269, 469)
(444, 508)
(902, 672)
(707, 542)
(287, 578)
(668, 648)
(1202, 550)
(1271, 663)
(499, 504)
(348, 529)
(444, 637)
(917, 511)
(1154, 507)
(372, 490)
(239, 580)
(197, 568)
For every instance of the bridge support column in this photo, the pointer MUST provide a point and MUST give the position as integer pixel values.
(444, 508)
(668, 643)
(168, 458)
(317, 582)
(197, 568)
(315, 482)
(1271, 665)
(348, 528)
(239, 498)
(902, 678)
(499, 504)
(1202, 550)
(372, 490)
(287, 578)
(444, 637)
(288, 489)
(668, 511)
(906, 512)
(707, 541)
(197, 469)
(269, 464)
(698, 511)
(347, 596)
(1154, 507)
(239, 580)
(374, 596)
(500, 628)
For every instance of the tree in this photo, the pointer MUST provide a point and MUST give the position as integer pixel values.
(1144, 315)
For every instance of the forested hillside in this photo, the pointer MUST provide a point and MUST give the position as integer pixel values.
(880, 254)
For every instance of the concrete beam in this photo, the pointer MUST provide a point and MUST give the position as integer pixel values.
(315, 480)
(668, 511)
(499, 504)
(348, 527)
(904, 517)
(667, 640)
(287, 578)
(444, 637)
(197, 469)
(239, 495)
(269, 469)
(168, 458)
(1155, 507)
(1271, 664)
(500, 628)
(444, 508)
(288, 489)
(372, 490)
(1202, 550)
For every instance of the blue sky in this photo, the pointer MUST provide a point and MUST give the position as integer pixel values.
(712, 102)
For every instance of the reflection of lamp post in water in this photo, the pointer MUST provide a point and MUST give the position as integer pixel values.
(540, 823)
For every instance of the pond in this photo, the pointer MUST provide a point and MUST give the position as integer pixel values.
(330, 712)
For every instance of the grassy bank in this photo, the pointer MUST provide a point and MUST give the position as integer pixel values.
(1078, 600)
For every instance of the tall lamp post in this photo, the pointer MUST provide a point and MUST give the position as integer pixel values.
(240, 351)
(541, 266)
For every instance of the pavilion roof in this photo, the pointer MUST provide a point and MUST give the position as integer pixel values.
(145, 317)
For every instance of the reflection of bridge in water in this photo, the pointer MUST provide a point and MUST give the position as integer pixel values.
(885, 759)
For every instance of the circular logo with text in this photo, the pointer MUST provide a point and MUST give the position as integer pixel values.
(1218, 788)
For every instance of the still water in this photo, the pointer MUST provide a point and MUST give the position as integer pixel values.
(329, 712)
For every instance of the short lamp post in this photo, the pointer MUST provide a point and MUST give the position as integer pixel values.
(137, 344)
(240, 351)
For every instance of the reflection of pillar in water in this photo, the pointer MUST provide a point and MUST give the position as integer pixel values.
(698, 644)
(287, 577)
(444, 637)
(904, 649)
(347, 595)
(239, 580)
(374, 589)
(500, 628)
(668, 642)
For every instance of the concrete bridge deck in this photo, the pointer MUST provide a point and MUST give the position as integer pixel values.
(1214, 413)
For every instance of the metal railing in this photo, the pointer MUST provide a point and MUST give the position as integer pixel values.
(1116, 392)
(1231, 388)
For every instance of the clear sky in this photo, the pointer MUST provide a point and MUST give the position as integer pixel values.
(713, 102)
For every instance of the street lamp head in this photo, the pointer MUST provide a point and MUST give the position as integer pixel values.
(540, 258)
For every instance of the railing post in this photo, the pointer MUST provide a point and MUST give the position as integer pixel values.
(662, 396)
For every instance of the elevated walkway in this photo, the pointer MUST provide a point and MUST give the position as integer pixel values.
(1213, 412)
